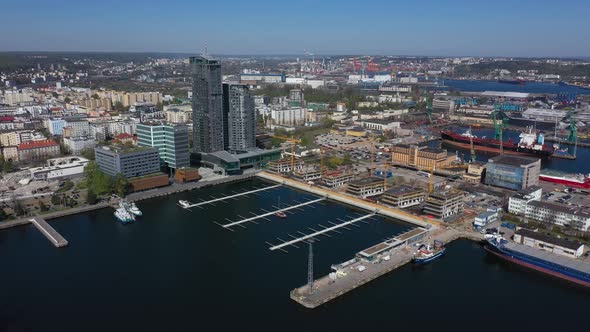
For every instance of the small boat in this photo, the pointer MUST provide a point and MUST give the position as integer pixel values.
(184, 204)
(280, 213)
(132, 208)
(428, 253)
(123, 216)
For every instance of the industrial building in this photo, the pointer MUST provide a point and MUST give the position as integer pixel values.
(207, 104)
(517, 204)
(170, 140)
(366, 187)
(378, 124)
(564, 247)
(421, 157)
(559, 214)
(130, 162)
(513, 172)
(403, 196)
(444, 204)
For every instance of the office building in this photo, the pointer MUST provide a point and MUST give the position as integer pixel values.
(366, 187)
(444, 204)
(130, 162)
(170, 140)
(239, 117)
(403, 196)
(207, 104)
(513, 172)
(517, 204)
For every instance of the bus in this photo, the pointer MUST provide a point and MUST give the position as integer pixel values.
(422, 173)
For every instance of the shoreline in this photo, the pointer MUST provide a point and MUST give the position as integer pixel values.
(133, 197)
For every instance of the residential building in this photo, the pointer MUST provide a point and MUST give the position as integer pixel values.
(38, 150)
(10, 153)
(335, 179)
(421, 157)
(513, 172)
(10, 138)
(366, 187)
(56, 126)
(308, 174)
(130, 162)
(239, 117)
(207, 104)
(403, 196)
(76, 127)
(444, 204)
(560, 246)
(18, 98)
(517, 204)
(559, 214)
(77, 144)
(170, 140)
(131, 99)
(175, 115)
(288, 116)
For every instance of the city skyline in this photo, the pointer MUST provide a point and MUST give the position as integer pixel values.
(456, 28)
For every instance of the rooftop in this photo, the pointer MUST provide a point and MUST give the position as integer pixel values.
(367, 181)
(37, 144)
(402, 190)
(573, 210)
(513, 160)
(574, 245)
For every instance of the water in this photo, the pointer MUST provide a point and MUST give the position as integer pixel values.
(177, 270)
(580, 165)
(529, 87)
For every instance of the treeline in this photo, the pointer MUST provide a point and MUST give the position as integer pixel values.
(100, 184)
(513, 66)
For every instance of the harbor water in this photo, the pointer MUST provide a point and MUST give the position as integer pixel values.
(177, 270)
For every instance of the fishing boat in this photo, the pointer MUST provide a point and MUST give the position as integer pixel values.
(428, 253)
(280, 213)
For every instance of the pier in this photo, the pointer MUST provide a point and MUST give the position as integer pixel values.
(212, 201)
(370, 264)
(50, 233)
(270, 213)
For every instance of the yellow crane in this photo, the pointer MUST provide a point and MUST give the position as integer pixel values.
(293, 141)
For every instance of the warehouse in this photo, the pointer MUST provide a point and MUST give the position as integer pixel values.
(564, 247)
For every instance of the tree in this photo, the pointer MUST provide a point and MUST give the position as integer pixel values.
(42, 206)
(95, 96)
(121, 185)
(91, 197)
(64, 149)
(19, 210)
(8, 167)
(55, 95)
(87, 153)
(67, 100)
(119, 107)
(55, 199)
(3, 215)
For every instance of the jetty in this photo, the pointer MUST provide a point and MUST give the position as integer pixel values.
(50, 233)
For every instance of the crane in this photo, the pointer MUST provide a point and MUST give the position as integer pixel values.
(293, 141)
(431, 180)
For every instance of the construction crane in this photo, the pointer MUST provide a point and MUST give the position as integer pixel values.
(293, 141)
(572, 137)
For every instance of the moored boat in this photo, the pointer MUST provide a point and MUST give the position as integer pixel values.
(124, 216)
(184, 204)
(428, 253)
(581, 181)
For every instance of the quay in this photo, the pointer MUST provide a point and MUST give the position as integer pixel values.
(50, 233)
(370, 264)
(351, 200)
(223, 198)
(565, 142)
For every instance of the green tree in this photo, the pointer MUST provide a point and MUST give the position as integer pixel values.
(88, 153)
(19, 210)
(95, 96)
(42, 206)
(55, 95)
(119, 107)
(8, 167)
(67, 100)
(64, 149)
(55, 199)
(91, 198)
(121, 185)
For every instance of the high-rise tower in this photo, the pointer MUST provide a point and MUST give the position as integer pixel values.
(239, 117)
(207, 104)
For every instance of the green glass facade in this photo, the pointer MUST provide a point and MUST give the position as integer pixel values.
(171, 142)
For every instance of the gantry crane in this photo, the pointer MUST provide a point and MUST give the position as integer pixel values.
(293, 141)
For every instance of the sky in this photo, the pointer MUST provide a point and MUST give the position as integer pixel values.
(518, 28)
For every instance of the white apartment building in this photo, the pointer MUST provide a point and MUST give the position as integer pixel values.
(289, 116)
(517, 203)
(558, 214)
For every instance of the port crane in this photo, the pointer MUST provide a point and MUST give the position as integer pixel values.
(293, 141)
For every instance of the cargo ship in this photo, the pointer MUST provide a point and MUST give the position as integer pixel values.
(575, 271)
(530, 143)
(506, 80)
(580, 181)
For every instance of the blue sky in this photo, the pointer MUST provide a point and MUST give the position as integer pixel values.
(492, 28)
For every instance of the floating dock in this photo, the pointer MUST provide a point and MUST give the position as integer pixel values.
(50, 233)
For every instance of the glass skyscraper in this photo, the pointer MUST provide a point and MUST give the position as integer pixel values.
(170, 140)
(207, 104)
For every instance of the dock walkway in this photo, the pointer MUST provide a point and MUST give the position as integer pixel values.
(50, 233)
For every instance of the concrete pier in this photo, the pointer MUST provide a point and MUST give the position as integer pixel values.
(50, 233)
(362, 269)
